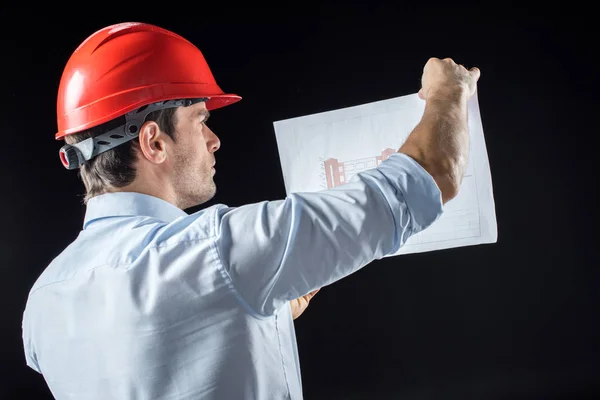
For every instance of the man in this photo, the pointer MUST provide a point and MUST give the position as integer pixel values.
(152, 303)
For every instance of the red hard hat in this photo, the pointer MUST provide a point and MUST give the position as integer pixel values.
(125, 66)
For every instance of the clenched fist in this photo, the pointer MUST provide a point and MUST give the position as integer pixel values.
(445, 76)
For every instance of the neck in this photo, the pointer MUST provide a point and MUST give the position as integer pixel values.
(157, 188)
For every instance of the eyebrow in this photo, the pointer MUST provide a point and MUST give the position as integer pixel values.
(204, 113)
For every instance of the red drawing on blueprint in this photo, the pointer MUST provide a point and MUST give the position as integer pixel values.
(339, 172)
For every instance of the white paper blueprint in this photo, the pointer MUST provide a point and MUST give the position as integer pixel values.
(324, 150)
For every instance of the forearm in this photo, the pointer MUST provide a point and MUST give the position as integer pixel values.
(440, 142)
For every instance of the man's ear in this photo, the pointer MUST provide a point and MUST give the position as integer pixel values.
(153, 142)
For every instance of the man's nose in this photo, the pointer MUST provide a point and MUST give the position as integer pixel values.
(212, 140)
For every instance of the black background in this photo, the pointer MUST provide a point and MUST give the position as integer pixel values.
(514, 319)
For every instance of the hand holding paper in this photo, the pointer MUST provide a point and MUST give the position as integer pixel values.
(325, 150)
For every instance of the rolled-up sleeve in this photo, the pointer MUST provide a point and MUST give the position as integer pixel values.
(276, 251)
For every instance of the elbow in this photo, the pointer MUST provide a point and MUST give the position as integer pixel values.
(449, 191)
(448, 177)
(446, 171)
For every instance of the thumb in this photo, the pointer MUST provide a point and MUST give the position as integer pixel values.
(421, 94)
(475, 73)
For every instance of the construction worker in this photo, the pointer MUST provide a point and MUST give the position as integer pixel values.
(150, 302)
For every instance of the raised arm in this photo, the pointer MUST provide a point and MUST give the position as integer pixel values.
(277, 251)
(440, 143)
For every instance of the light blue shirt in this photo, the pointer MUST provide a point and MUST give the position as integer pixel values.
(150, 302)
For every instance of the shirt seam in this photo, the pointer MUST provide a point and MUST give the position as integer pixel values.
(287, 384)
(77, 274)
(249, 309)
(378, 190)
(126, 264)
(422, 172)
(408, 209)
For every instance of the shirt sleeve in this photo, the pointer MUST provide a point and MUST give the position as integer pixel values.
(276, 251)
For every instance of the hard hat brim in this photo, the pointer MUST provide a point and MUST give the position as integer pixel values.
(141, 97)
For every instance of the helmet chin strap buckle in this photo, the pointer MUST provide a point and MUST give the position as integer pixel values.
(74, 155)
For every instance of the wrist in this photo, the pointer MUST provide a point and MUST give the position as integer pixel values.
(448, 93)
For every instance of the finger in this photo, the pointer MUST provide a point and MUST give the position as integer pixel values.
(431, 60)
(309, 296)
(421, 94)
(475, 73)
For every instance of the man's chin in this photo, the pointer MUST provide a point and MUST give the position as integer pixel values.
(203, 198)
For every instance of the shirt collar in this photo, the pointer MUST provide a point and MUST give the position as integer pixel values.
(123, 204)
